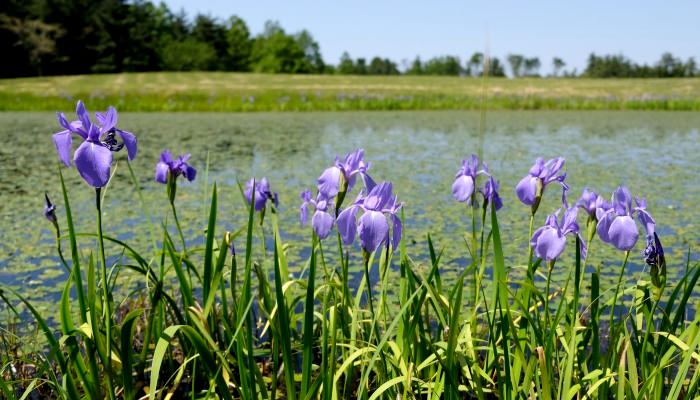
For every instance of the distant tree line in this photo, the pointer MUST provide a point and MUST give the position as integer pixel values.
(49, 37)
(63, 37)
(619, 66)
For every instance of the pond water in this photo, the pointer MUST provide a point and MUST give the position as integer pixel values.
(656, 154)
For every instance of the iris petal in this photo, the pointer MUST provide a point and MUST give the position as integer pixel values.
(604, 221)
(322, 223)
(397, 231)
(346, 224)
(374, 230)
(549, 244)
(162, 172)
(129, 142)
(93, 162)
(527, 190)
(623, 233)
(64, 144)
(107, 120)
(329, 181)
(463, 188)
(190, 172)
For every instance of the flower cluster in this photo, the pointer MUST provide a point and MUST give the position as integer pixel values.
(340, 178)
(372, 227)
(616, 224)
(333, 185)
(548, 241)
(612, 221)
(378, 222)
(263, 194)
(531, 188)
(464, 185)
(322, 220)
(168, 167)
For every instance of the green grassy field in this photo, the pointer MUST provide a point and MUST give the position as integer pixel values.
(219, 91)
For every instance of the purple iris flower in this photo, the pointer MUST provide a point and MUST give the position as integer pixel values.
(50, 210)
(373, 226)
(322, 221)
(490, 193)
(531, 187)
(591, 202)
(262, 193)
(548, 241)
(174, 167)
(616, 225)
(93, 158)
(329, 183)
(465, 180)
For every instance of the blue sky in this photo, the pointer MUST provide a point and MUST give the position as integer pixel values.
(401, 30)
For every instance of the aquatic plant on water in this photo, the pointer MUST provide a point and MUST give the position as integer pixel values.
(212, 321)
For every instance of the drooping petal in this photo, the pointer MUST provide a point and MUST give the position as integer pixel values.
(93, 161)
(129, 142)
(527, 190)
(491, 193)
(463, 188)
(397, 231)
(260, 200)
(623, 233)
(549, 244)
(368, 181)
(322, 223)
(347, 226)
(107, 120)
(190, 173)
(605, 219)
(584, 246)
(162, 172)
(64, 144)
(329, 181)
(645, 218)
(374, 229)
(569, 223)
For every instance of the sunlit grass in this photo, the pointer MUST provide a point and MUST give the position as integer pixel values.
(218, 91)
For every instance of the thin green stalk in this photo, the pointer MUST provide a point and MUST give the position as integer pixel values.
(179, 228)
(546, 293)
(366, 257)
(106, 308)
(617, 290)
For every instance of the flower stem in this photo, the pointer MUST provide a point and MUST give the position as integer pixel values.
(546, 293)
(179, 228)
(530, 270)
(617, 289)
(60, 249)
(366, 255)
(106, 308)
